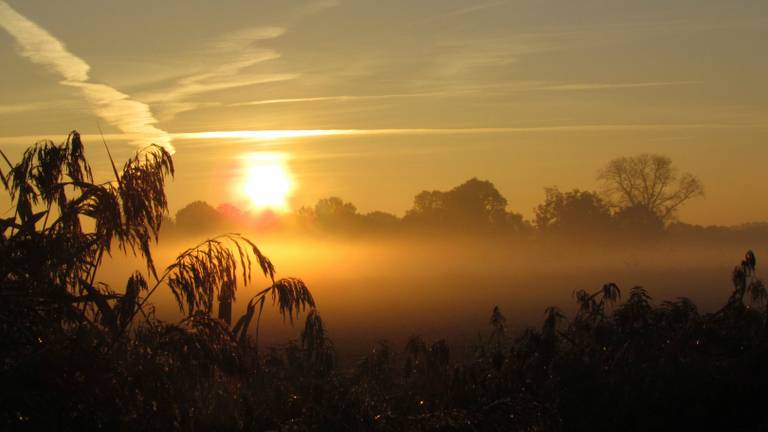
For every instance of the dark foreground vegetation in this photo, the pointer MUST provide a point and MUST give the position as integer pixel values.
(80, 355)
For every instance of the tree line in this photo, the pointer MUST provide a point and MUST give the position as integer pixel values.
(639, 198)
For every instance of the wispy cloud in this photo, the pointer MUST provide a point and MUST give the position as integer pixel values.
(236, 52)
(319, 5)
(340, 98)
(23, 107)
(463, 11)
(40, 47)
(559, 86)
(282, 134)
(456, 90)
(277, 134)
(611, 86)
(132, 117)
(466, 58)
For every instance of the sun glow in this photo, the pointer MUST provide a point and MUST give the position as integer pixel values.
(267, 181)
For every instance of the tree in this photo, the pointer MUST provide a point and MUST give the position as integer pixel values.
(638, 220)
(572, 212)
(198, 216)
(428, 206)
(474, 203)
(649, 181)
(379, 220)
(231, 212)
(516, 223)
(333, 212)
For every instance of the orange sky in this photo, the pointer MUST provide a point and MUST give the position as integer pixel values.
(375, 101)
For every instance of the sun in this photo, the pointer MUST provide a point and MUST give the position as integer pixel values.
(267, 181)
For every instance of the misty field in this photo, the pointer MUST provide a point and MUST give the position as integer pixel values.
(381, 288)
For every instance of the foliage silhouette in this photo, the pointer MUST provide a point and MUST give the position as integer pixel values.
(574, 212)
(198, 216)
(477, 208)
(55, 315)
(649, 181)
(474, 203)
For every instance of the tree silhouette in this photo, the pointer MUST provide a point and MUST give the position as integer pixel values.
(428, 206)
(638, 220)
(475, 204)
(649, 181)
(574, 212)
(333, 212)
(198, 216)
(379, 221)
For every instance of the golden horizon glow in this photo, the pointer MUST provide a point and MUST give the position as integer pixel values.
(426, 98)
(267, 181)
(276, 134)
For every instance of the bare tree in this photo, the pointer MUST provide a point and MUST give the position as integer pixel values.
(648, 181)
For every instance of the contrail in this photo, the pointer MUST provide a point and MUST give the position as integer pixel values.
(131, 117)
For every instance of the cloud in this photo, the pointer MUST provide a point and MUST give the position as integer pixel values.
(173, 100)
(40, 47)
(236, 52)
(129, 116)
(280, 134)
(464, 11)
(24, 107)
(245, 38)
(455, 90)
(467, 57)
(277, 134)
(610, 86)
(340, 98)
(319, 5)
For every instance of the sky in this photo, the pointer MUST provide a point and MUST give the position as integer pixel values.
(376, 101)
